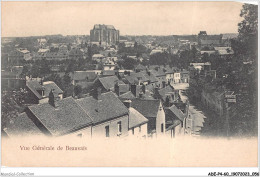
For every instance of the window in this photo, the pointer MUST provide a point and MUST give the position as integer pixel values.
(162, 128)
(133, 131)
(119, 128)
(107, 131)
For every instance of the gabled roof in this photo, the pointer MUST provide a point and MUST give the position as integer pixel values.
(128, 95)
(65, 118)
(50, 85)
(106, 108)
(164, 91)
(136, 118)
(22, 126)
(157, 73)
(133, 78)
(47, 87)
(84, 75)
(140, 67)
(150, 77)
(173, 110)
(34, 86)
(148, 108)
(108, 82)
(108, 72)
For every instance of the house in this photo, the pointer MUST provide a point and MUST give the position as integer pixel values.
(98, 57)
(169, 75)
(137, 122)
(21, 126)
(106, 73)
(109, 114)
(224, 52)
(56, 56)
(205, 40)
(168, 95)
(41, 54)
(60, 117)
(152, 80)
(17, 56)
(177, 77)
(175, 121)
(127, 96)
(84, 78)
(185, 76)
(107, 83)
(13, 79)
(136, 78)
(139, 68)
(121, 88)
(154, 112)
(160, 75)
(108, 64)
(39, 93)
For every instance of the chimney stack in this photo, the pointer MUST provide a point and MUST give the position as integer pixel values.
(143, 88)
(164, 84)
(97, 93)
(135, 89)
(127, 103)
(117, 89)
(51, 98)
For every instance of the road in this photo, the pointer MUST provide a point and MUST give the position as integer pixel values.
(195, 114)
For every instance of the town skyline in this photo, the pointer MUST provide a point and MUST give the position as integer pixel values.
(59, 18)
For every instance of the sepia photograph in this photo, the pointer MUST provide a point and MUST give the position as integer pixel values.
(129, 84)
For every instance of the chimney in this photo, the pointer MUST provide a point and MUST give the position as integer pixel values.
(164, 84)
(127, 103)
(143, 88)
(117, 89)
(141, 95)
(135, 89)
(51, 98)
(97, 93)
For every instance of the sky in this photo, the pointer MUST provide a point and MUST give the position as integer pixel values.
(21, 19)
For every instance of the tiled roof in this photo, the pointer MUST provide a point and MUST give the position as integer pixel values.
(50, 85)
(84, 75)
(22, 126)
(178, 113)
(34, 86)
(150, 77)
(164, 91)
(107, 107)
(148, 108)
(128, 95)
(136, 118)
(140, 67)
(64, 118)
(133, 78)
(108, 72)
(108, 82)
(157, 73)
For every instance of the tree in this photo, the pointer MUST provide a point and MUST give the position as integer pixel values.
(248, 30)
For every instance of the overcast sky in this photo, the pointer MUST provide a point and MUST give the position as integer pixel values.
(131, 18)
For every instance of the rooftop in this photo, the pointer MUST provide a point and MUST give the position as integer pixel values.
(107, 107)
(64, 118)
